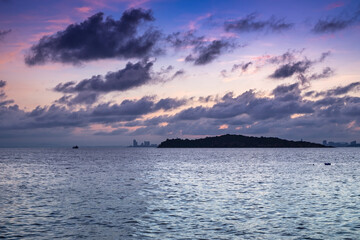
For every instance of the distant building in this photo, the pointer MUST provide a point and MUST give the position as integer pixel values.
(143, 144)
(341, 144)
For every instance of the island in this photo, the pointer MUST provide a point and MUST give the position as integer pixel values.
(237, 141)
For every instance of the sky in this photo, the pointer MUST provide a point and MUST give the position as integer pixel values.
(102, 73)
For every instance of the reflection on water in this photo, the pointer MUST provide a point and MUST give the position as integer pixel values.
(129, 193)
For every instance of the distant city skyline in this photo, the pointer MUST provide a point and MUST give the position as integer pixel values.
(143, 144)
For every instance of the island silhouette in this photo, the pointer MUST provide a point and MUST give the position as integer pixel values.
(237, 141)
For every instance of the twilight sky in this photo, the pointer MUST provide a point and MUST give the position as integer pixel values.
(93, 72)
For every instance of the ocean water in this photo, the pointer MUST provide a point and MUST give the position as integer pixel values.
(139, 193)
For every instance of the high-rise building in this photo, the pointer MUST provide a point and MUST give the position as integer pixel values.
(135, 144)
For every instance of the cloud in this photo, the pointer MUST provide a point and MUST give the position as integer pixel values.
(291, 67)
(324, 55)
(344, 90)
(2, 83)
(83, 9)
(250, 24)
(85, 97)
(205, 54)
(242, 66)
(334, 5)
(224, 73)
(341, 90)
(326, 73)
(287, 57)
(184, 39)
(3, 33)
(288, 70)
(170, 103)
(54, 116)
(98, 38)
(334, 24)
(3, 100)
(287, 92)
(203, 50)
(178, 73)
(284, 112)
(331, 25)
(285, 103)
(131, 109)
(133, 75)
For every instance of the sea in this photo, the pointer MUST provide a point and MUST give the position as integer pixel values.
(150, 193)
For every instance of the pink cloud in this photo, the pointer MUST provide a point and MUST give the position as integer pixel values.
(83, 9)
(137, 3)
(334, 5)
(193, 24)
(17, 48)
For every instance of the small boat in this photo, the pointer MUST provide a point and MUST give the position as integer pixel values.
(327, 163)
(75, 147)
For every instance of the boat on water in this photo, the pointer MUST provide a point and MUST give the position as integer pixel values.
(75, 147)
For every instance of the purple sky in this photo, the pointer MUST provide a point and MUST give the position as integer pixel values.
(96, 73)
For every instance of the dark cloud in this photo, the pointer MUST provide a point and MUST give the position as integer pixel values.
(341, 90)
(205, 54)
(324, 55)
(326, 73)
(170, 103)
(184, 39)
(331, 25)
(207, 99)
(54, 116)
(85, 97)
(202, 50)
(288, 70)
(285, 89)
(290, 67)
(178, 73)
(344, 90)
(286, 113)
(133, 75)
(2, 83)
(3, 33)
(250, 24)
(98, 38)
(132, 109)
(283, 113)
(334, 24)
(3, 100)
(242, 66)
(224, 73)
(287, 57)
(286, 102)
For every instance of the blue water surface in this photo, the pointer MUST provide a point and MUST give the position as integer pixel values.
(149, 193)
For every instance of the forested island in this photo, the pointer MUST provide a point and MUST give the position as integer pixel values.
(237, 141)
